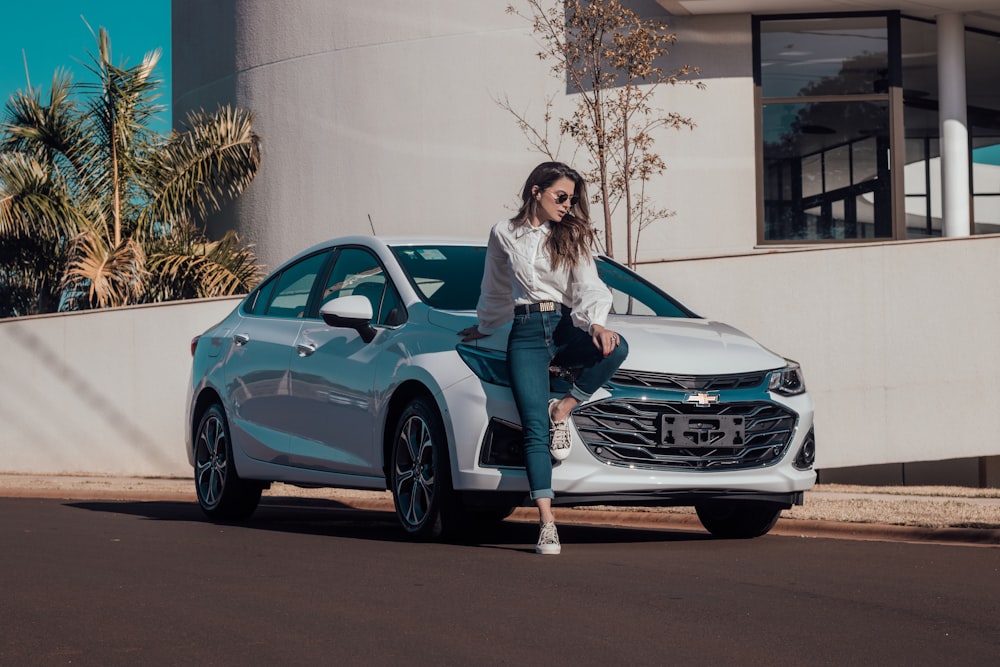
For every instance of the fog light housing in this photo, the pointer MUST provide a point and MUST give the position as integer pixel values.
(503, 446)
(807, 452)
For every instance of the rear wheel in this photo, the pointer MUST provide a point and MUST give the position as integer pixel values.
(738, 520)
(420, 477)
(221, 492)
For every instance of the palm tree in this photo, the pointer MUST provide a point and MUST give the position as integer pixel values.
(95, 205)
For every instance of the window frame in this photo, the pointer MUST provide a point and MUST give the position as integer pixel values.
(893, 98)
(377, 319)
(271, 283)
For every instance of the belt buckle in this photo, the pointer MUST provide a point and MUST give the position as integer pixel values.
(546, 307)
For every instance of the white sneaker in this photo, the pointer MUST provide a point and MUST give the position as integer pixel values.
(559, 440)
(548, 540)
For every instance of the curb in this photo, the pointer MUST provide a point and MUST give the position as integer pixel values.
(984, 537)
(794, 528)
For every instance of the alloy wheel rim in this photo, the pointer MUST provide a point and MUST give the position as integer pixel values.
(210, 469)
(414, 471)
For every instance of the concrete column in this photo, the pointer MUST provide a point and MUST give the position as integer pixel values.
(954, 126)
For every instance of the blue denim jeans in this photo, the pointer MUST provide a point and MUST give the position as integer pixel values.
(536, 340)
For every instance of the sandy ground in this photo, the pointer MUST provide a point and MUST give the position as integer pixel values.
(923, 507)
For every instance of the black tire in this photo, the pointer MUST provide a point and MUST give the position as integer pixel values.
(738, 520)
(419, 473)
(221, 493)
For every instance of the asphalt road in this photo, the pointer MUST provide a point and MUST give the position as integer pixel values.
(92, 582)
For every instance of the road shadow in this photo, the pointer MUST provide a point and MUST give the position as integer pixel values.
(316, 516)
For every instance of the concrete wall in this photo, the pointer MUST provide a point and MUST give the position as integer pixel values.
(898, 343)
(99, 392)
(898, 340)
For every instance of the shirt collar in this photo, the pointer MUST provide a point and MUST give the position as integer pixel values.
(527, 228)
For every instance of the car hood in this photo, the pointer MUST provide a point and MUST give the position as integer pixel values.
(691, 347)
(662, 344)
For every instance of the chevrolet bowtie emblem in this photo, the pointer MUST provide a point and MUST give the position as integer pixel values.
(703, 400)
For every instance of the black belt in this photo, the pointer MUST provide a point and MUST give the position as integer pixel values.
(540, 307)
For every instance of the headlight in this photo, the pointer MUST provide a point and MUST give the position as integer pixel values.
(488, 365)
(787, 381)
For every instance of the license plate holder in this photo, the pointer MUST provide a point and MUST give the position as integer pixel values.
(701, 431)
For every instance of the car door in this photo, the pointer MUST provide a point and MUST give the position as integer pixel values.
(258, 377)
(334, 373)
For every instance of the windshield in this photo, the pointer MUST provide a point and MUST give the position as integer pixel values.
(448, 277)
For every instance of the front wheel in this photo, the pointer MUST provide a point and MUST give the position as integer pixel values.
(420, 478)
(738, 520)
(221, 492)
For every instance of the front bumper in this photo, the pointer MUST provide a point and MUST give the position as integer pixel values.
(587, 478)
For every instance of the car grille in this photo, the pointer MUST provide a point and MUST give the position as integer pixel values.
(644, 379)
(625, 432)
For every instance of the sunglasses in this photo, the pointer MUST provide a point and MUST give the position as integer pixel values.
(562, 197)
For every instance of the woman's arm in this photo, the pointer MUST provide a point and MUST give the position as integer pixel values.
(591, 304)
(496, 299)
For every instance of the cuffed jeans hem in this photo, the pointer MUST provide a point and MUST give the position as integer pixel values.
(542, 493)
(579, 394)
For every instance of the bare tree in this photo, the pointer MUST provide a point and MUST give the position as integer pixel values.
(608, 56)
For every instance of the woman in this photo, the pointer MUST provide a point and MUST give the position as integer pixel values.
(540, 272)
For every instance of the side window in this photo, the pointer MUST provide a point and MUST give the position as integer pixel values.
(291, 293)
(357, 272)
(393, 312)
(256, 304)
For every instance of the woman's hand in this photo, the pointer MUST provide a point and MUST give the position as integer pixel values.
(470, 334)
(604, 339)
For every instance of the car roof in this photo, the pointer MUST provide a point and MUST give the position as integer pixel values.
(386, 242)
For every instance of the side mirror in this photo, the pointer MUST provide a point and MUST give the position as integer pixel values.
(350, 312)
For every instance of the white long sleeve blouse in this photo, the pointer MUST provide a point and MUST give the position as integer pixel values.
(519, 271)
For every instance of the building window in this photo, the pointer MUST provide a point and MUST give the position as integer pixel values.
(982, 52)
(825, 117)
(849, 128)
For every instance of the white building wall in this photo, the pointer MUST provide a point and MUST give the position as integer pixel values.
(388, 109)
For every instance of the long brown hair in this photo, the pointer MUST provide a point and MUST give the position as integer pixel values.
(572, 238)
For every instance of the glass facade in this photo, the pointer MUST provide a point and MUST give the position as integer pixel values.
(839, 97)
(825, 123)
(824, 56)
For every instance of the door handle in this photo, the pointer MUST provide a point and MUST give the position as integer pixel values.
(241, 339)
(305, 349)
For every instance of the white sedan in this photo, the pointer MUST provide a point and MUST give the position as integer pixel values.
(343, 368)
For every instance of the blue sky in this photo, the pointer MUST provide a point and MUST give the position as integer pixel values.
(53, 35)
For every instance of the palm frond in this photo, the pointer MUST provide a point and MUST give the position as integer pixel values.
(203, 166)
(119, 113)
(53, 132)
(32, 201)
(115, 274)
(31, 270)
(205, 269)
